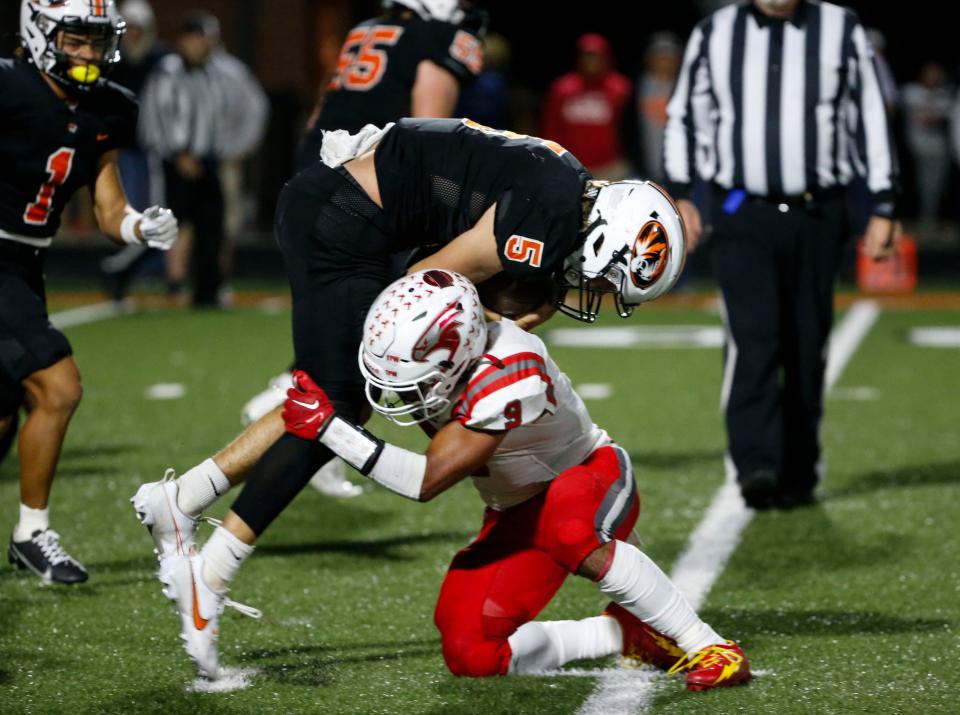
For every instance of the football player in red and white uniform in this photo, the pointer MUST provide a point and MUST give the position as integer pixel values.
(560, 496)
(476, 200)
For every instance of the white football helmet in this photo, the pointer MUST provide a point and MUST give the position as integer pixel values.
(634, 250)
(43, 21)
(445, 10)
(421, 335)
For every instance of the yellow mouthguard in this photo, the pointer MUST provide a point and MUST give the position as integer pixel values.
(85, 74)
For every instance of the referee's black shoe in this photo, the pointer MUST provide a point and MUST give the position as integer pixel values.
(43, 554)
(760, 489)
(789, 499)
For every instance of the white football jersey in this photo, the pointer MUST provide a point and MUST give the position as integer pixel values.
(517, 387)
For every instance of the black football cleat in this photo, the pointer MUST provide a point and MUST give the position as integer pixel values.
(43, 554)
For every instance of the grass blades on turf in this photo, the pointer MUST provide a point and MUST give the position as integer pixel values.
(849, 606)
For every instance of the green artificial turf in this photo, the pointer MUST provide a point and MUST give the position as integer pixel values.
(849, 606)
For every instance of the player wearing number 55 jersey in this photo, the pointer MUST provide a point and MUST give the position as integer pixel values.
(409, 62)
(61, 124)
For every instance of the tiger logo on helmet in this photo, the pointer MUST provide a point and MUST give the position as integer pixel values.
(648, 256)
(633, 250)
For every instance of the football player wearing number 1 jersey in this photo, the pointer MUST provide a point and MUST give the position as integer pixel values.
(61, 125)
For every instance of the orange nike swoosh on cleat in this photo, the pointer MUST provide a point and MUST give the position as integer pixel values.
(102, 137)
(198, 621)
(173, 518)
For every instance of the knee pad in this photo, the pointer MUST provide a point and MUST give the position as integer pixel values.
(570, 541)
(476, 657)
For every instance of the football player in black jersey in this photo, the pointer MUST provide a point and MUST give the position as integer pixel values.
(488, 202)
(409, 62)
(61, 124)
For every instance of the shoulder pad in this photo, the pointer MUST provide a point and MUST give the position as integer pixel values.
(506, 393)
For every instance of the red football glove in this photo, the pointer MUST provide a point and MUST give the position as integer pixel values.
(307, 408)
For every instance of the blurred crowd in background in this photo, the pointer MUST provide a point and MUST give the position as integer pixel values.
(243, 115)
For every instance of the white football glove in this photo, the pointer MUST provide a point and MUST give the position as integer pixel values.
(159, 228)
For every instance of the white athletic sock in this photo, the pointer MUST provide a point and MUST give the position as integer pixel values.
(546, 645)
(200, 487)
(31, 520)
(637, 583)
(223, 555)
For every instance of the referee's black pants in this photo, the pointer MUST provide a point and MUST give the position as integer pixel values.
(200, 202)
(776, 265)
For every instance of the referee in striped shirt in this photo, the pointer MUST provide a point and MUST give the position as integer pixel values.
(199, 108)
(778, 108)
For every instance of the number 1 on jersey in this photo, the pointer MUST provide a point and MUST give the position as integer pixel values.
(58, 167)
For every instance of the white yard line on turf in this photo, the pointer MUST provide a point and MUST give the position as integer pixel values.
(712, 543)
(669, 337)
(846, 338)
(85, 314)
(934, 337)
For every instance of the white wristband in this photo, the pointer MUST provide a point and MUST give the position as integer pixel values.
(400, 471)
(128, 227)
(353, 444)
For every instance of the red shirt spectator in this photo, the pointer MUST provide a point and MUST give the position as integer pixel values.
(584, 109)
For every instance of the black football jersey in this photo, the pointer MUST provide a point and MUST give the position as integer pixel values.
(378, 66)
(438, 176)
(49, 149)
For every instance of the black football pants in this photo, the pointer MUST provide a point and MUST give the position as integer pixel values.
(776, 271)
(338, 259)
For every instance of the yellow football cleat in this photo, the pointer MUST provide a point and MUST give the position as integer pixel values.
(642, 643)
(716, 666)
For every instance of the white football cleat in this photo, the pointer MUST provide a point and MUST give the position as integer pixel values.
(331, 479)
(172, 530)
(199, 607)
(268, 400)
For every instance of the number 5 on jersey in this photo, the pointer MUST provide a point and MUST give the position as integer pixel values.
(361, 64)
(59, 165)
(524, 250)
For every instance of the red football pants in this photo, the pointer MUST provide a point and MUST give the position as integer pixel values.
(522, 556)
